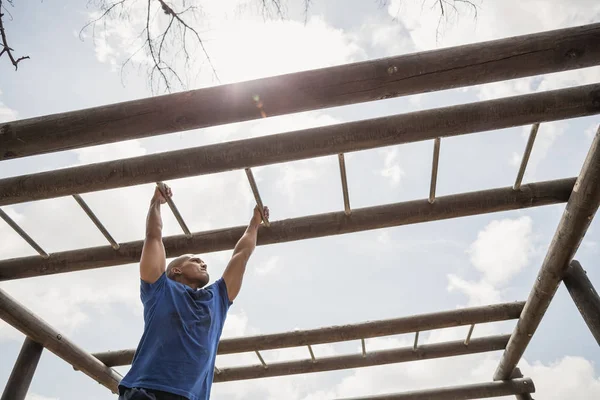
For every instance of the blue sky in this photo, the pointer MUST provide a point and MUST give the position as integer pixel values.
(336, 280)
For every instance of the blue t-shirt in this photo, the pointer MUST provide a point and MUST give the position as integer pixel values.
(182, 327)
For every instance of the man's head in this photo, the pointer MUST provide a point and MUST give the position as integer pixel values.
(189, 270)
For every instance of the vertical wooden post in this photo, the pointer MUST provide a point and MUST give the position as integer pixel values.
(577, 216)
(585, 297)
(22, 373)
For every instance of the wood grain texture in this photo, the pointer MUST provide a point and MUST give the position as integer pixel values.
(312, 226)
(308, 143)
(473, 64)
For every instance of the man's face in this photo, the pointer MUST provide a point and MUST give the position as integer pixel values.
(195, 270)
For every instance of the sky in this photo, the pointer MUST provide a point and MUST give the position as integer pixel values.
(343, 279)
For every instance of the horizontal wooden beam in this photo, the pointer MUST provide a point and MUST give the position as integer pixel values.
(315, 142)
(39, 331)
(572, 227)
(464, 392)
(405, 354)
(473, 64)
(313, 226)
(365, 330)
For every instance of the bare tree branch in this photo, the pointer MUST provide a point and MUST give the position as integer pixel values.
(5, 47)
(169, 11)
(306, 8)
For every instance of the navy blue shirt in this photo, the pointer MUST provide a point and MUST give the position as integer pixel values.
(182, 327)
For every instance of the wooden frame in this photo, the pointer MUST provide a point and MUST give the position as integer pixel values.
(509, 58)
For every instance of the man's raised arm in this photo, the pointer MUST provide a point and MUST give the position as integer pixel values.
(153, 261)
(234, 273)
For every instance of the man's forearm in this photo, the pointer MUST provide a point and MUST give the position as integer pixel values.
(154, 220)
(247, 242)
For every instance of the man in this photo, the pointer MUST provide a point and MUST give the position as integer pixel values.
(182, 320)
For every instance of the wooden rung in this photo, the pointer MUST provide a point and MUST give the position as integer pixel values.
(312, 355)
(259, 203)
(526, 154)
(23, 234)
(96, 221)
(468, 339)
(262, 361)
(434, 168)
(342, 162)
(171, 204)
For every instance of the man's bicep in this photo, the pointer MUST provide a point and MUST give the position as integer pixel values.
(153, 261)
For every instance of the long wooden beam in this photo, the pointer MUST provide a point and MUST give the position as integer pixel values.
(365, 330)
(464, 392)
(38, 330)
(313, 226)
(405, 354)
(579, 212)
(474, 64)
(308, 143)
(22, 374)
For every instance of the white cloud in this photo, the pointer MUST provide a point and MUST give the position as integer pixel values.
(567, 378)
(33, 396)
(591, 131)
(392, 169)
(478, 293)
(502, 249)
(271, 265)
(496, 20)
(233, 32)
(515, 159)
(109, 152)
(6, 113)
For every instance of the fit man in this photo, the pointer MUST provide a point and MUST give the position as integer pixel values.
(183, 319)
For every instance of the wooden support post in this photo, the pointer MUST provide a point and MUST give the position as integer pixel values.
(473, 64)
(416, 342)
(578, 214)
(344, 178)
(162, 187)
(256, 193)
(308, 143)
(521, 396)
(313, 226)
(22, 233)
(38, 330)
(464, 392)
(526, 154)
(96, 221)
(434, 168)
(585, 297)
(22, 373)
(406, 354)
(332, 334)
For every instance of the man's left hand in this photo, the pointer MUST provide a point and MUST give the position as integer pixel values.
(257, 218)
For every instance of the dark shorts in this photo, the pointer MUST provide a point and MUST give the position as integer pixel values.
(147, 394)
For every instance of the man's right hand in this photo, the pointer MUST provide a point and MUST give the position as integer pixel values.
(158, 194)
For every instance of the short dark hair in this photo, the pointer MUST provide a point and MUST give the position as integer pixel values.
(174, 263)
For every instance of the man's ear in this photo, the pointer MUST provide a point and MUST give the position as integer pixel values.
(177, 271)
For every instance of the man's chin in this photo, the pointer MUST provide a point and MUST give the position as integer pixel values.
(204, 279)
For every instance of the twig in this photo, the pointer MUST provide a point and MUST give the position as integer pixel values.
(168, 10)
(306, 7)
(5, 47)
